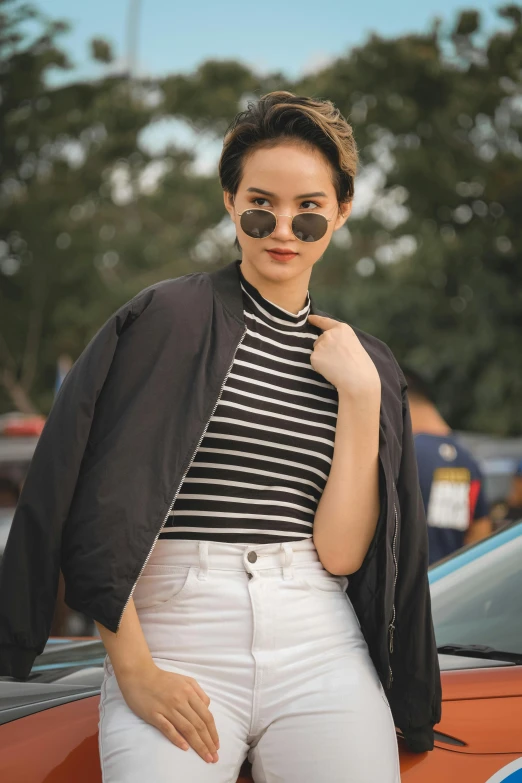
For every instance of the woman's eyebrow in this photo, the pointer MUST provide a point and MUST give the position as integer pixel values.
(302, 195)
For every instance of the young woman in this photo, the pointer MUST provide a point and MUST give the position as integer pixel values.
(228, 482)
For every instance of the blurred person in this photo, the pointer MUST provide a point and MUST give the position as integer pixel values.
(497, 511)
(451, 481)
(213, 474)
(510, 509)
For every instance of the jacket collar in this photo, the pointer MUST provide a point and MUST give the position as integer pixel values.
(226, 283)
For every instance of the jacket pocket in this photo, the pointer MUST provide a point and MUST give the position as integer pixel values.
(161, 586)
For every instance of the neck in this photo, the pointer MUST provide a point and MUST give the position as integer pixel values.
(426, 418)
(289, 294)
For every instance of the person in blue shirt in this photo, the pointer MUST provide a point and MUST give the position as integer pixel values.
(450, 479)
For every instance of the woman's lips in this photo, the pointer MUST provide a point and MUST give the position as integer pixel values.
(281, 256)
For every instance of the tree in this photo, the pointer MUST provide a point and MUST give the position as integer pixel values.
(89, 215)
(81, 230)
(437, 270)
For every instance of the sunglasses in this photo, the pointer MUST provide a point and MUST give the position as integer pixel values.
(306, 226)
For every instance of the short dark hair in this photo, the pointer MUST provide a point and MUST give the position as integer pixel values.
(282, 116)
(418, 384)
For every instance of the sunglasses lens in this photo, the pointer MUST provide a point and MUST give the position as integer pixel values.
(257, 223)
(309, 228)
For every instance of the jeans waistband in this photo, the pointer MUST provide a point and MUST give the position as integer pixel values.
(236, 556)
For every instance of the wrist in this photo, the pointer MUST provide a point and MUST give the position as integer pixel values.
(130, 670)
(364, 399)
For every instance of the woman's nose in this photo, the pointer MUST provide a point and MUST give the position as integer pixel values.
(283, 229)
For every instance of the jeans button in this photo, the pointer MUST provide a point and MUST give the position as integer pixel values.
(252, 557)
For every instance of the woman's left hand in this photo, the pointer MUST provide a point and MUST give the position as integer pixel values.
(339, 356)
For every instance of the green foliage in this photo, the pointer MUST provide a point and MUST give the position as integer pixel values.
(89, 215)
(446, 131)
(101, 51)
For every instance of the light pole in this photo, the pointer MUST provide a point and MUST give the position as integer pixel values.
(132, 36)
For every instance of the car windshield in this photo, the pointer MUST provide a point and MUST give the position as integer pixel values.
(481, 601)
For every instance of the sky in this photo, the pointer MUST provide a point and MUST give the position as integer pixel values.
(293, 37)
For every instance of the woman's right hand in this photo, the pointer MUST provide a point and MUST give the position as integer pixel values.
(174, 704)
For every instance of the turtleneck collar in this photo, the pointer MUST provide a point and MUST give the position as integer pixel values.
(268, 311)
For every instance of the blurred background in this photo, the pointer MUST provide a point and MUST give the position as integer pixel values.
(111, 124)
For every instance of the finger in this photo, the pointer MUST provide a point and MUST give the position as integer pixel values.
(199, 723)
(205, 715)
(199, 690)
(165, 726)
(191, 734)
(323, 322)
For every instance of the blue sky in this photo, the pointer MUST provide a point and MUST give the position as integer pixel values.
(270, 35)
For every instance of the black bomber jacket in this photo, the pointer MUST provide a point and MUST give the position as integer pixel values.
(116, 446)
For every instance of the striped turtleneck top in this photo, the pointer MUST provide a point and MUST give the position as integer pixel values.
(261, 467)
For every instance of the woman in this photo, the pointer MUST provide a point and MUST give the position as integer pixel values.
(239, 511)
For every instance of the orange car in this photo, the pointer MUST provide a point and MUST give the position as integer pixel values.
(49, 724)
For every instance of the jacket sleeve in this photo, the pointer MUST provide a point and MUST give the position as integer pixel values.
(30, 566)
(416, 689)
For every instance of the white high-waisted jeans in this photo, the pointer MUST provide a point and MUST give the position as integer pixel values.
(273, 639)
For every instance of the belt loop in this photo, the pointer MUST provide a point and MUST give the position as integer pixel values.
(203, 560)
(287, 552)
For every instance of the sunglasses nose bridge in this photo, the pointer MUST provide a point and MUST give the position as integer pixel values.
(289, 224)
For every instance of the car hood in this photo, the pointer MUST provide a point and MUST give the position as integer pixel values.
(481, 709)
(19, 699)
(67, 669)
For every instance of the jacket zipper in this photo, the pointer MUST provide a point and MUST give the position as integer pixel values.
(183, 477)
(391, 626)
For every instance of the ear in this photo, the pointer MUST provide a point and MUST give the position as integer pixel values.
(228, 200)
(344, 213)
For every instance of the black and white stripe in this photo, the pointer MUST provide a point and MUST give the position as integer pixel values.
(263, 463)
